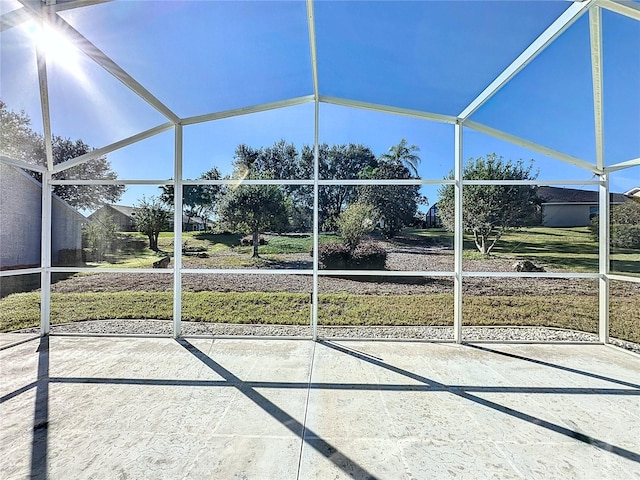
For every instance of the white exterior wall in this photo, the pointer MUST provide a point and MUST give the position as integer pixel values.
(566, 215)
(20, 208)
(66, 229)
(20, 217)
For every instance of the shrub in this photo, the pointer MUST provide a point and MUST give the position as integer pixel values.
(356, 221)
(369, 256)
(625, 236)
(625, 225)
(338, 256)
(248, 241)
(99, 237)
(334, 256)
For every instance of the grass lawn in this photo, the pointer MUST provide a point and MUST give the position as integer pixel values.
(569, 249)
(566, 249)
(564, 311)
(222, 250)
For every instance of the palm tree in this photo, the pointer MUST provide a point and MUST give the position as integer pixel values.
(405, 155)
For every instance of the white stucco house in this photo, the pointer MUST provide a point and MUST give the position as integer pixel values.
(572, 207)
(20, 222)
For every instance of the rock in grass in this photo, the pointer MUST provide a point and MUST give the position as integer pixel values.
(526, 266)
(162, 263)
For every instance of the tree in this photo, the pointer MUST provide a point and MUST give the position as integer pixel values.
(17, 139)
(88, 197)
(151, 217)
(253, 209)
(336, 162)
(491, 210)
(355, 222)
(197, 200)
(624, 227)
(100, 235)
(279, 162)
(20, 142)
(396, 204)
(405, 155)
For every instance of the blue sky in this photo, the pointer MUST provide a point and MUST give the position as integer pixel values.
(202, 57)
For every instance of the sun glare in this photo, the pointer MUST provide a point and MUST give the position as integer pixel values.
(58, 50)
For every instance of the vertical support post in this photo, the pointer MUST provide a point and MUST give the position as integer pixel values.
(458, 242)
(316, 227)
(604, 214)
(45, 256)
(316, 168)
(46, 204)
(595, 35)
(177, 234)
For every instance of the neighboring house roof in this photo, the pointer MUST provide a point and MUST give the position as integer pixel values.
(557, 195)
(185, 219)
(634, 192)
(55, 197)
(130, 212)
(123, 209)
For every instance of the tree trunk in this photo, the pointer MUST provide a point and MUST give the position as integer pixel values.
(256, 243)
(480, 241)
(153, 243)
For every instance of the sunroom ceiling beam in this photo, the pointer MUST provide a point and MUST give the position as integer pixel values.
(479, 127)
(99, 152)
(635, 162)
(98, 56)
(564, 21)
(44, 105)
(312, 45)
(436, 117)
(14, 18)
(21, 15)
(62, 5)
(236, 112)
(595, 35)
(628, 9)
(20, 164)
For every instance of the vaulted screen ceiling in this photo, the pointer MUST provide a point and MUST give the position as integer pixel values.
(146, 63)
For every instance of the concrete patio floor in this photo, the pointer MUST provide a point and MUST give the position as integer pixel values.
(116, 408)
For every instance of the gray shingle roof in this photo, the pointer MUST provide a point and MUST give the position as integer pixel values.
(574, 195)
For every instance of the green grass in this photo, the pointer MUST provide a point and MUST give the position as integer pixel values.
(223, 250)
(577, 312)
(565, 249)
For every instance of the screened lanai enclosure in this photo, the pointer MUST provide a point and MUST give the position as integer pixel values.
(203, 184)
(112, 106)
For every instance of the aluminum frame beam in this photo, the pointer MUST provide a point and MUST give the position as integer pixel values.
(14, 18)
(376, 107)
(595, 40)
(177, 234)
(635, 162)
(316, 171)
(311, 22)
(237, 112)
(536, 147)
(604, 215)
(21, 164)
(99, 152)
(98, 56)
(458, 238)
(44, 104)
(628, 9)
(45, 255)
(564, 21)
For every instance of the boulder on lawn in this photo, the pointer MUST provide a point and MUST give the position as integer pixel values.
(526, 266)
(162, 263)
